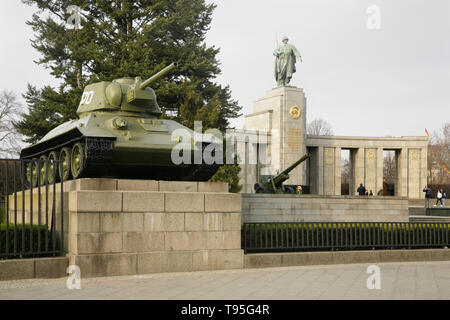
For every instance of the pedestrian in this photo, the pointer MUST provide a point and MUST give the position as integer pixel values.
(444, 196)
(299, 190)
(370, 193)
(427, 196)
(438, 198)
(361, 190)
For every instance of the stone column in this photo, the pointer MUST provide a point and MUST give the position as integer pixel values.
(423, 171)
(313, 171)
(320, 188)
(379, 174)
(414, 173)
(328, 171)
(370, 169)
(337, 171)
(401, 189)
(358, 169)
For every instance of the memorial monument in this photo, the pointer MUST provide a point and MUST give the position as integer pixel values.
(282, 114)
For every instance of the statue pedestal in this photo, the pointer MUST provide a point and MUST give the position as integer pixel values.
(123, 227)
(282, 112)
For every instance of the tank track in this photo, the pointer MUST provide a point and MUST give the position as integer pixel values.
(98, 157)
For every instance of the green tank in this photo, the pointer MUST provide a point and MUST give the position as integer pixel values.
(119, 134)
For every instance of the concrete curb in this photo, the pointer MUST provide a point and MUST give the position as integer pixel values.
(267, 260)
(39, 268)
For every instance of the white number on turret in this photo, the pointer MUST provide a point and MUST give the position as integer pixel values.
(86, 98)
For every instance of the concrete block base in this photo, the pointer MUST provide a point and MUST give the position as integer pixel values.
(125, 227)
(42, 268)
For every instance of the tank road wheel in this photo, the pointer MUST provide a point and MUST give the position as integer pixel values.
(52, 166)
(64, 156)
(78, 159)
(31, 173)
(43, 169)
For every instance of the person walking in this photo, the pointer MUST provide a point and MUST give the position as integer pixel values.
(438, 198)
(427, 196)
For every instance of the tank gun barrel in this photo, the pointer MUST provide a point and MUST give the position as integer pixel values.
(157, 75)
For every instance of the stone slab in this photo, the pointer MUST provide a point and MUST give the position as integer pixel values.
(264, 260)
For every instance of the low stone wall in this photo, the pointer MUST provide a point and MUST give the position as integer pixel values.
(43, 268)
(270, 260)
(438, 212)
(125, 227)
(313, 208)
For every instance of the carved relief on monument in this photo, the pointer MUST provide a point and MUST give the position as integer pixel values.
(329, 156)
(294, 139)
(295, 112)
(414, 156)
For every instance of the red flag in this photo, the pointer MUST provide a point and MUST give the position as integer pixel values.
(427, 133)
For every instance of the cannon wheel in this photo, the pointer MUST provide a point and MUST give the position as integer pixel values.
(289, 190)
(262, 189)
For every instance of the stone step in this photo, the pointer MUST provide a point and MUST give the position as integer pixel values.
(416, 211)
(428, 219)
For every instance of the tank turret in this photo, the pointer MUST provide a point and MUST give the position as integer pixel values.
(125, 94)
(118, 134)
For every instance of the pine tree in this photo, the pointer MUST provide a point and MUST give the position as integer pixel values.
(121, 38)
(229, 173)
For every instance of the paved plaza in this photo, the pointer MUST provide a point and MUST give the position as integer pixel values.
(421, 280)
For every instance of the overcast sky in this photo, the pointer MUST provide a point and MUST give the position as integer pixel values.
(391, 81)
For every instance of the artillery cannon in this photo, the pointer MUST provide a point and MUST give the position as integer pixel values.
(119, 134)
(274, 184)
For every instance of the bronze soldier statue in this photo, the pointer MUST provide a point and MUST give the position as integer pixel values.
(286, 57)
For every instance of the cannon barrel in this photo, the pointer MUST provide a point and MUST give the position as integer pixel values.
(157, 75)
(284, 175)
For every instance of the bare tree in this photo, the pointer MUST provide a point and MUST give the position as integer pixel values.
(319, 127)
(9, 113)
(389, 168)
(346, 171)
(439, 156)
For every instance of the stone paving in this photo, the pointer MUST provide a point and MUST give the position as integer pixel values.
(421, 280)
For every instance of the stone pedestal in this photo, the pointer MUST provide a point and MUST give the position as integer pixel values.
(277, 113)
(125, 227)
